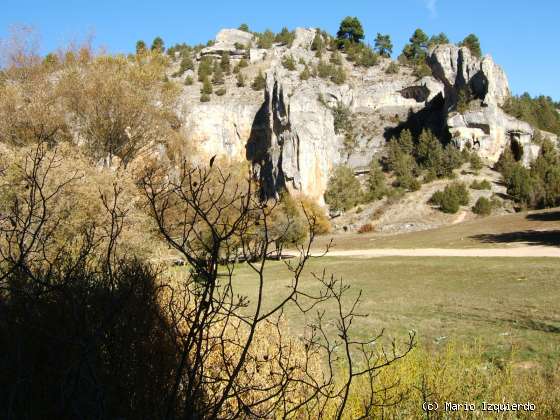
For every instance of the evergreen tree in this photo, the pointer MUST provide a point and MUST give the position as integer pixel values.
(218, 76)
(416, 49)
(140, 47)
(350, 29)
(383, 45)
(343, 189)
(225, 63)
(285, 36)
(206, 86)
(158, 45)
(473, 44)
(438, 39)
(204, 68)
(244, 27)
(376, 187)
(318, 44)
(406, 143)
(266, 39)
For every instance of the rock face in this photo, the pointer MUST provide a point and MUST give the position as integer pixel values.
(220, 128)
(288, 132)
(298, 146)
(485, 126)
(458, 69)
(228, 41)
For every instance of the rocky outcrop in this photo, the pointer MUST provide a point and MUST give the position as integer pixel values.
(303, 38)
(458, 69)
(484, 125)
(288, 133)
(230, 41)
(490, 130)
(298, 147)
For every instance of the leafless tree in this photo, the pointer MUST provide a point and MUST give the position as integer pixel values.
(213, 221)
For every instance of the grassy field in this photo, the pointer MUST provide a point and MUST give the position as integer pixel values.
(501, 304)
(537, 227)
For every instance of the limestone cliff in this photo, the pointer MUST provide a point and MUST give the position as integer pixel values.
(288, 132)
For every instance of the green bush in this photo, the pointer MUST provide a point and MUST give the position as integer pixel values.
(376, 187)
(392, 68)
(368, 58)
(482, 207)
(475, 162)
(206, 87)
(189, 81)
(260, 82)
(218, 76)
(482, 185)
(186, 64)
(225, 63)
(285, 36)
(205, 68)
(336, 58)
(289, 63)
(520, 185)
(265, 39)
(451, 198)
(342, 118)
(324, 70)
(338, 75)
(204, 98)
(343, 189)
(305, 74)
(422, 70)
(240, 80)
(318, 44)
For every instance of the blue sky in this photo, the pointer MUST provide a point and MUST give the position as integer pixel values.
(521, 35)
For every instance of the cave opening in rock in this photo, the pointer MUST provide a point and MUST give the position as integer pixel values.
(516, 148)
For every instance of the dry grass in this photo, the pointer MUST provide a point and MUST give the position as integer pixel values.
(535, 227)
(505, 306)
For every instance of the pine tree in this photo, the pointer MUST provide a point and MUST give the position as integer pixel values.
(438, 39)
(218, 76)
(244, 27)
(416, 49)
(473, 44)
(376, 187)
(204, 68)
(206, 86)
(225, 63)
(158, 45)
(350, 29)
(383, 45)
(140, 47)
